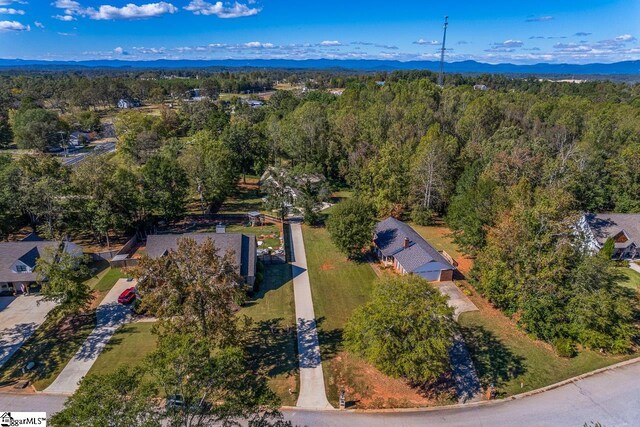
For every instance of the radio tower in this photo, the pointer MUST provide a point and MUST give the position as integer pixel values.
(444, 40)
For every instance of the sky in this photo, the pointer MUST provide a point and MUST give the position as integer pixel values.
(520, 32)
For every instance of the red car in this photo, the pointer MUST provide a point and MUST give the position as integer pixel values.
(128, 296)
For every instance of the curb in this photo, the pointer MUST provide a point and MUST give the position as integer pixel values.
(482, 403)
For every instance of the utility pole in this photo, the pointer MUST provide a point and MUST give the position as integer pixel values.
(444, 40)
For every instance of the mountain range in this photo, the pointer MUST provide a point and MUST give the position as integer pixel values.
(616, 68)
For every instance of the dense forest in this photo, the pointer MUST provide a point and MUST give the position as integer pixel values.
(509, 169)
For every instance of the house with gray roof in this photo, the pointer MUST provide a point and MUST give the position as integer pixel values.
(18, 261)
(624, 229)
(400, 246)
(242, 246)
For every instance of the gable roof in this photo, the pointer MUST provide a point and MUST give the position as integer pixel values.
(390, 239)
(28, 252)
(604, 226)
(243, 246)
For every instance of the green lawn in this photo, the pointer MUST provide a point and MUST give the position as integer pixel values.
(245, 199)
(127, 347)
(505, 356)
(258, 231)
(108, 279)
(273, 336)
(51, 346)
(439, 237)
(338, 286)
(632, 278)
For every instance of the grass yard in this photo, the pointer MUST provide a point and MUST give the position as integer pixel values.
(338, 286)
(269, 234)
(505, 356)
(440, 237)
(51, 346)
(246, 198)
(632, 278)
(273, 340)
(127, 347)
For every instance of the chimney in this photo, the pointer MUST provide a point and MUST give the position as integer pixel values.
(406, 242)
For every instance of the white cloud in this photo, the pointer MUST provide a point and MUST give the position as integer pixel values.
(238, 10)
(509, 43)
(259, 45)
(108, 12)
(10, 11)
(131, 11)
(13, 26)
(119, 51)
(38, 24)
(427, 42)
(9, 2)
(625, 38)
(330, 43)
(66, 18)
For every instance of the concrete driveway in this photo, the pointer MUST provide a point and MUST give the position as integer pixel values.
(458, 300)
(19, 318)
(110, 316)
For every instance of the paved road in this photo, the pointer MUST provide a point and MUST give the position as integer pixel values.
(312, 389)
(105, 148)
(19, 318)
(611, 398)
(110, 316)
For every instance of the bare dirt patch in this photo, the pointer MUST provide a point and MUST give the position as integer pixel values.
(327, 266)
(367, 388)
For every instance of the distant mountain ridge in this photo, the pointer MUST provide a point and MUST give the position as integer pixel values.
(616, 68)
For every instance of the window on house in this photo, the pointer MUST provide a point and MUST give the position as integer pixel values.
(21, 268)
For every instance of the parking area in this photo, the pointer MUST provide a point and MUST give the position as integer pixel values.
(19, 318)
(458, 300)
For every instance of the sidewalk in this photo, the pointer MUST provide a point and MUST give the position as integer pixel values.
(110, 316)
(312, 389)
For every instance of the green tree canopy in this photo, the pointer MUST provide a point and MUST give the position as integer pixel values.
(405, 330)
(351, 225)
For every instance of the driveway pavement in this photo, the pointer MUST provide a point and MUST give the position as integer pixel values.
(312, 389)
(468, 388)
(634, 266)
(110, 316)
(19, 318)
(458, 300)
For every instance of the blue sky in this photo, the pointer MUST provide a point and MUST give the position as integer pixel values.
(489, 31)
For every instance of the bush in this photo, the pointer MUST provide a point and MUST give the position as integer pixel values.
(422, 216)
(565, 347)
(351, 226)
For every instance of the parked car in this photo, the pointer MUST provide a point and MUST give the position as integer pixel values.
(128, 296)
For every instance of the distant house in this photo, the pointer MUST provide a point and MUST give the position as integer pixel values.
(18, 260)
(271, 175)
(78, 138)
(125, 103)
(624, 229)
(400, 246)
(380, 83)
(244, 248)
(254, 103)
(480, 87)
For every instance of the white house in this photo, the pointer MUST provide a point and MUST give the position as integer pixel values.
(18, 260)
(128, 103)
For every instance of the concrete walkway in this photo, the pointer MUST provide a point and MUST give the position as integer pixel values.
(312, 390)
(634, 266)
(110, 316)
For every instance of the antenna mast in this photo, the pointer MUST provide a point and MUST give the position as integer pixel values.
(444, 40)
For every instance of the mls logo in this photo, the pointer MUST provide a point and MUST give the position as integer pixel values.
(5, 419)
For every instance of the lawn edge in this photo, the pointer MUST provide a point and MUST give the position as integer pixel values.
(485, 402)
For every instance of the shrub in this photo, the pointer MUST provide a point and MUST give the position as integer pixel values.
(422, 216)
(565, 347)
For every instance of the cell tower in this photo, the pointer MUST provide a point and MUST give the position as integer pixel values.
(444, 40)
